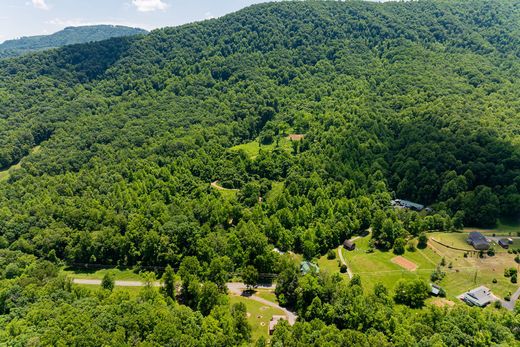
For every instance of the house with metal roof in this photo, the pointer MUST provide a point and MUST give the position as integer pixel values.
(478, 241)
(407, 204)
(308, 267)
(480, 297)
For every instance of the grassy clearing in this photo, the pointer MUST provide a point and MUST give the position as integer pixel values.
(119, 275)
(133, 292)
(331, 266)
(470, 272)
(228, 194)
(267, 295)
(377, 266)
(253, 148)
(510, 227)
(276, 191)
(259, 315)
(459, 240)
(5, 174)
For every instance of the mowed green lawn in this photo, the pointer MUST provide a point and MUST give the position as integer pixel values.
(259, 315)
(377, 266)
(119, 275)
(133, 292)
(459, 240)
(472, 271)
(253, 148)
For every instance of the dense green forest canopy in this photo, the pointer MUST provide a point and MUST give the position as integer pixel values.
(67, 36)
(416, 100)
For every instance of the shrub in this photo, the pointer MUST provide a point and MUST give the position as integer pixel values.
(331, 254)
(422, 241)
(108, 282)
(442, 293)
(343, 268)
(437, 274)
(494, 280)
(411, 246)
(517, 259)
(443, 261)
(465, 254)
(399, 246)
(497, 304)
(513, 278)
(510, 272)
(491, 252)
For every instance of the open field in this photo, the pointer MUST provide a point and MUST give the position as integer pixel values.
(119, 275)
(378, 266)
(5, 174)
(133, 292)
(459, 240)
(470, 272)
(504, 227)
(259, 315)
(253, 148)
(330, 266)
(464, 274)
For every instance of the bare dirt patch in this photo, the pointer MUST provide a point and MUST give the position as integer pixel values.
(441, 302)
(296, 137)
(404, 263)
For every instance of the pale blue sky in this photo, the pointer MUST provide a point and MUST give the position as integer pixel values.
(37, 17)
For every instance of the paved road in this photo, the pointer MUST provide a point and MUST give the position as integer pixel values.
(510, 305)
(233, 287)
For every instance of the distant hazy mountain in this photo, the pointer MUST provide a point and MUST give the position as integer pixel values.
(67, 36)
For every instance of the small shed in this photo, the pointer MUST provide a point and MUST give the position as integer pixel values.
(435, 289)
(349, 245)
(407, 204)
(504, 243)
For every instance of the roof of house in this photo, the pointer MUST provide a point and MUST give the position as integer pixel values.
(307, 266)
(435, 289)
(408, 204)
(348, 243)
(480, 296)
(477, 238)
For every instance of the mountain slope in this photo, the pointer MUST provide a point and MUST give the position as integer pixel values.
(416, 100)
(67, 36)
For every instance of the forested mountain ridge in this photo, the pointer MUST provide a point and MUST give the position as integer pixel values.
(67, 36)
(414, 99)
